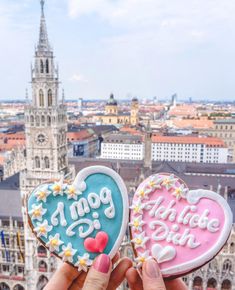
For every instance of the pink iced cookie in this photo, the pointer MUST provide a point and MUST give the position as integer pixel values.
(182, 229)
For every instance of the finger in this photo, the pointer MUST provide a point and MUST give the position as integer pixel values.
(79, 282)
(63, 278)
(116, 258)
(133, 279)
(152, 278)
(99, 274)
(119, 273)
(175, 284)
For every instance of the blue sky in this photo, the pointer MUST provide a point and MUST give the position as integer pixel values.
(141, 48)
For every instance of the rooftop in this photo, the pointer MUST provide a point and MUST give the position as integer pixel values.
(123, 138)
(192, 123)
(225, 121)
(208, 141)
(10, 205)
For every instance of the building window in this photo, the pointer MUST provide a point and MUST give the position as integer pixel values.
(37, 121)
(32, 120)
(41, 98)
(47, 66)
(41, 67)
(18, 287)
(42, 266)
(42, 252)
(47, 162)
(43, 120)
(232, 248)
(37, 162)
(42, 281)
(4, 286)
(49, 98)
(226, 285)
(49, 121)
(227, 266)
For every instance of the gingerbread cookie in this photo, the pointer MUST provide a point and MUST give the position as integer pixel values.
(78, 221)
(182, 229)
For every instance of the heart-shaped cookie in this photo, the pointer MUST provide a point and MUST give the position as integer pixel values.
(81, 220)
(182, 229)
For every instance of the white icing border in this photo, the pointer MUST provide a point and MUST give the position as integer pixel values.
(86, 172)
(193, 197)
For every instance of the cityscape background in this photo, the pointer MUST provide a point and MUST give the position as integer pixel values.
(148, 89)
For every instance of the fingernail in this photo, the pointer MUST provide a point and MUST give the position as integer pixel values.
(102, 263)
(152, 269)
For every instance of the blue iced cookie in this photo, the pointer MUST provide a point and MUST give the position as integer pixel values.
(78, 221)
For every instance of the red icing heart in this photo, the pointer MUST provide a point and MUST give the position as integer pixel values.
(97, 244)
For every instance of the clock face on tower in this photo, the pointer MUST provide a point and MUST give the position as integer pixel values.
(41, 139)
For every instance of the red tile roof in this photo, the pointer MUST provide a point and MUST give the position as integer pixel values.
(81, 135)
(192, 123)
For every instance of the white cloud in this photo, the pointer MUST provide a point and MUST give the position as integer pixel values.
(78, 78)
(131, 14)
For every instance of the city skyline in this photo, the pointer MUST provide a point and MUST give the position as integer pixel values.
(148, 49)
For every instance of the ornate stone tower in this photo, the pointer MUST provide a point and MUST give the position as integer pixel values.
(134, 111)
(46, 147)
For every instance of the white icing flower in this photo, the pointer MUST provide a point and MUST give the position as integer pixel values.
(180, 192)
(144, 192)
(42, 229)
(137, 223)
(155, 182)
(72, 192)
(137, 207)
(143, 257)
(57, 189)
(37, 212)
(169, 182)
(67, 253)
(42, 194)
(54, 243)
(83, 262)
(140, 241)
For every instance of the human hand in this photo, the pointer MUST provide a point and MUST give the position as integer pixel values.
(151, 279)
(100, 276)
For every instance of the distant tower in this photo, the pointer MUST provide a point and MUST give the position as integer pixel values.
(174, 100)
(155, 100)
(111, 107)
(134, 111)
(46, 143)
(148, 147)
(80, 104)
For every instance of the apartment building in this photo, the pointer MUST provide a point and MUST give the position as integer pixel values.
(122, 146)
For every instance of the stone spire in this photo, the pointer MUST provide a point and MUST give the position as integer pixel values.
(43, 44)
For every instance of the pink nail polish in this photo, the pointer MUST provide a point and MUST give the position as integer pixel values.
(102, 263)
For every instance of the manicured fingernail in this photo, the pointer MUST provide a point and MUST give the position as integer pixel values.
(152, 269)
(102, 263)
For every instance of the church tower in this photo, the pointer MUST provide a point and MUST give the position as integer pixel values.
(134, 112)
(46, 144)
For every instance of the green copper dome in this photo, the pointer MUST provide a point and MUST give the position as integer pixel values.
(112, 101)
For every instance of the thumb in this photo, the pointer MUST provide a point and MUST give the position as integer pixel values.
(99, 274)
(152, 278)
